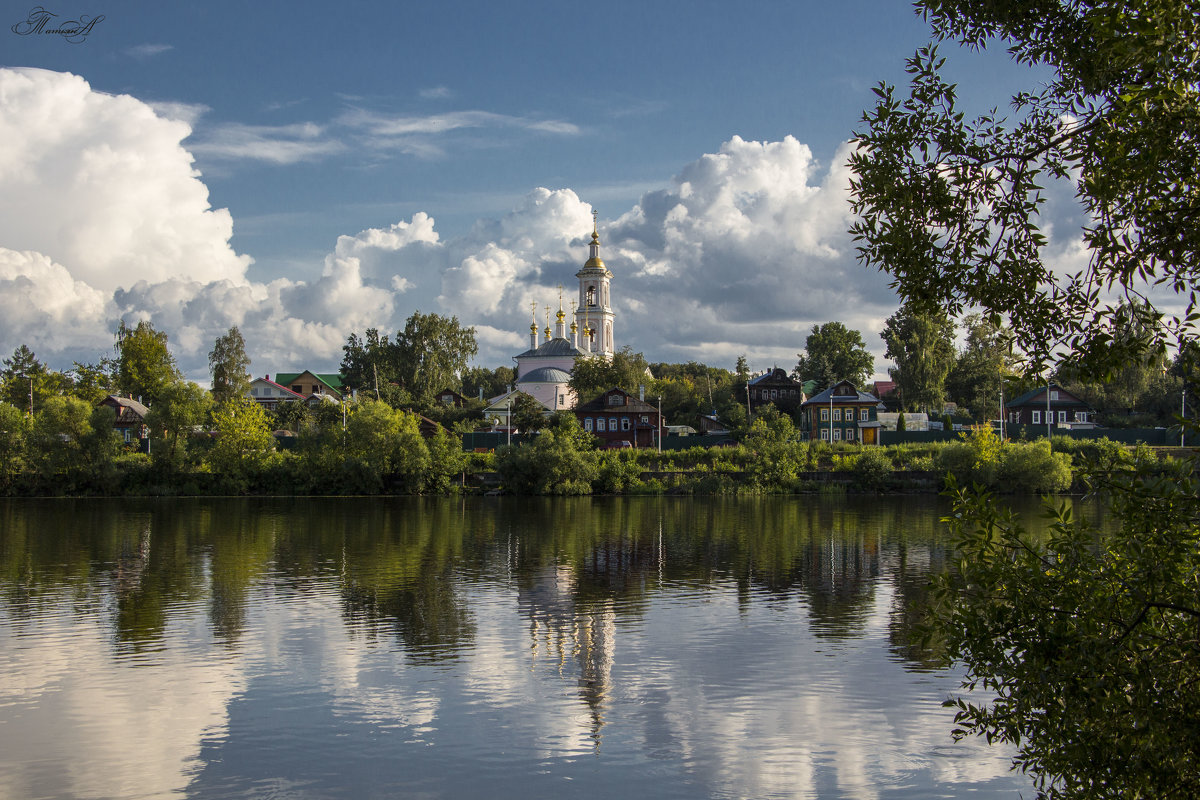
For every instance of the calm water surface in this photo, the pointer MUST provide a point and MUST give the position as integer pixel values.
(491, 647)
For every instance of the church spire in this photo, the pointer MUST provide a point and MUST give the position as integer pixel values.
(595, 307)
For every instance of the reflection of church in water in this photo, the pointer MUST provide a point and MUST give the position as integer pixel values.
(572, 636)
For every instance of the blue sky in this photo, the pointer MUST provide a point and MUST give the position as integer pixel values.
(304, 171)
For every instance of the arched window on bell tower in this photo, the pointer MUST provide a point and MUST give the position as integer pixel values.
(591, 297)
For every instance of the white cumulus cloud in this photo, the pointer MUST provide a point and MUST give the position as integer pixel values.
(103, 216)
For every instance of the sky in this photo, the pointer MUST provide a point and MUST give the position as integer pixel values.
(305, 172)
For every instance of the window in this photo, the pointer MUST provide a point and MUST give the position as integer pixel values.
(1037, 417)
(837, 415)
(616, 400)
(824, 415)
(562, 399)
(587, 424)
(1081, 416)
(864, 414)
(774, 393)
(646, 420)
(850, 435)
(624, 423)
(1062, 417)
(591, 295)
(128, 435)
(298, 389)
(1054, 394)
(837, 434)
(825, 434)
(600, 424)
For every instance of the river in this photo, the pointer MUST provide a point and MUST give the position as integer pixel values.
(478, 647)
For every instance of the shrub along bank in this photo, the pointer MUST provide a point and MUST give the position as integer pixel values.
(378, 450)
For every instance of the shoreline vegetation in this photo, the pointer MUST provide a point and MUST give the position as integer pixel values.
(392, 458)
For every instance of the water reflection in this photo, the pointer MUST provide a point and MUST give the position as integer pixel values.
(685, 647)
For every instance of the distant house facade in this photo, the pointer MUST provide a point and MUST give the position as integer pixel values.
(776, 388)
(269, 394)
(841, 413)
(312, 383)
(617, 416)
(451, 399)
(130, 423)
(1061, 408)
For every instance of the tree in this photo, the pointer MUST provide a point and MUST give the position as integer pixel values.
(1086, 642)
(493, 382)
(181, 407)
(430, 353)
(244, 446)
(93, 382)
(23, 373)
(833, 352)
(974, 380)
(145, 367)
(368, 363)
(527, 415)
(229, 365)
(951, 206)
(922, 346)
(593, 376)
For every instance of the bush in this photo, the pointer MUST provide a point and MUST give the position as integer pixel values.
(1034, 468)
(872, 470)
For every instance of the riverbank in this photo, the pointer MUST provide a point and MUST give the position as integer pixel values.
(561, 464)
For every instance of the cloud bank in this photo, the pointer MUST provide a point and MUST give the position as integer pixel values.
(103, 216)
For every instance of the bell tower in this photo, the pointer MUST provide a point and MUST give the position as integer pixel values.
(594, 314)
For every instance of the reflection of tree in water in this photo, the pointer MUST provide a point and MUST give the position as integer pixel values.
(428, 615)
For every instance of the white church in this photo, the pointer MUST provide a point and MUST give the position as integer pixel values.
(544, 369)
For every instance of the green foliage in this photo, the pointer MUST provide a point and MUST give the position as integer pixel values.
(527, 415)
(424, 358)
(592, 377)
(557, 462)
(1034, 469)
(13, 431)
(230, 366)
(145, 367)
(617, 472)
(974, 380)
(872, 469)
(493, 382)
(181, 407)
(1085, 644)
(921, 345)
(950, 205)
(833, 352)
(291, 416)
(22, 374)
(92, 382)
(244, 447)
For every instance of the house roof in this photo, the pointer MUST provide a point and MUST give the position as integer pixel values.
(545, 375)
(126, 402)
(632, 404)
(844, 392)
(776, 375)
(554, 348)
(1065, 398)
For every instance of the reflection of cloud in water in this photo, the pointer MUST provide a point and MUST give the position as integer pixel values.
(833, 722)
(131, 731)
